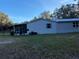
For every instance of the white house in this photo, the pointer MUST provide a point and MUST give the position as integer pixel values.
(67, 25)
(44, 26)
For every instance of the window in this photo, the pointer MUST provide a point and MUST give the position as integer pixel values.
(75, 24)
(48, 25)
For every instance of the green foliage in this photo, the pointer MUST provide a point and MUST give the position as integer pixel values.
(4, 19)
(5, 22)
(67, 11)
(46, 15)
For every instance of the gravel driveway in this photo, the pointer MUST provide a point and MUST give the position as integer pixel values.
(7, 42)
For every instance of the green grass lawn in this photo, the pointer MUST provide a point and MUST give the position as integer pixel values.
(52, 46)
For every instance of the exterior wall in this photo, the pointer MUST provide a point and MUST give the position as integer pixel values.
(40, 27)
(66, 27)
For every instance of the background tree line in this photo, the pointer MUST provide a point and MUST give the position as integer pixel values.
(65, 11)
(5, 22)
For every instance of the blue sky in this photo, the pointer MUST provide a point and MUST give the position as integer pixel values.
(25, 10)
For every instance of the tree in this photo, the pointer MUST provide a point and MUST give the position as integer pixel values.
(66, 11)
(35, 18)
(4, 21)
(46, 15)
(77, 4)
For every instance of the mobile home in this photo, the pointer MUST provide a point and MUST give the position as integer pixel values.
(46, 26)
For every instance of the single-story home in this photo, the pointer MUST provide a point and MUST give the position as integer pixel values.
(46, 26)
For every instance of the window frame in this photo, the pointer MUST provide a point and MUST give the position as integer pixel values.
(48, 25)
(76, 24)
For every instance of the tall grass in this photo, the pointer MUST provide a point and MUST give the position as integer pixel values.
(61, 46)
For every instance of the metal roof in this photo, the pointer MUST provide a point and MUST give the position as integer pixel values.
(35, 20)
(66, 20)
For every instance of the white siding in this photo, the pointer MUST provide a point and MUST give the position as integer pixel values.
(56, 27)
(40, 27)
(66, 27)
